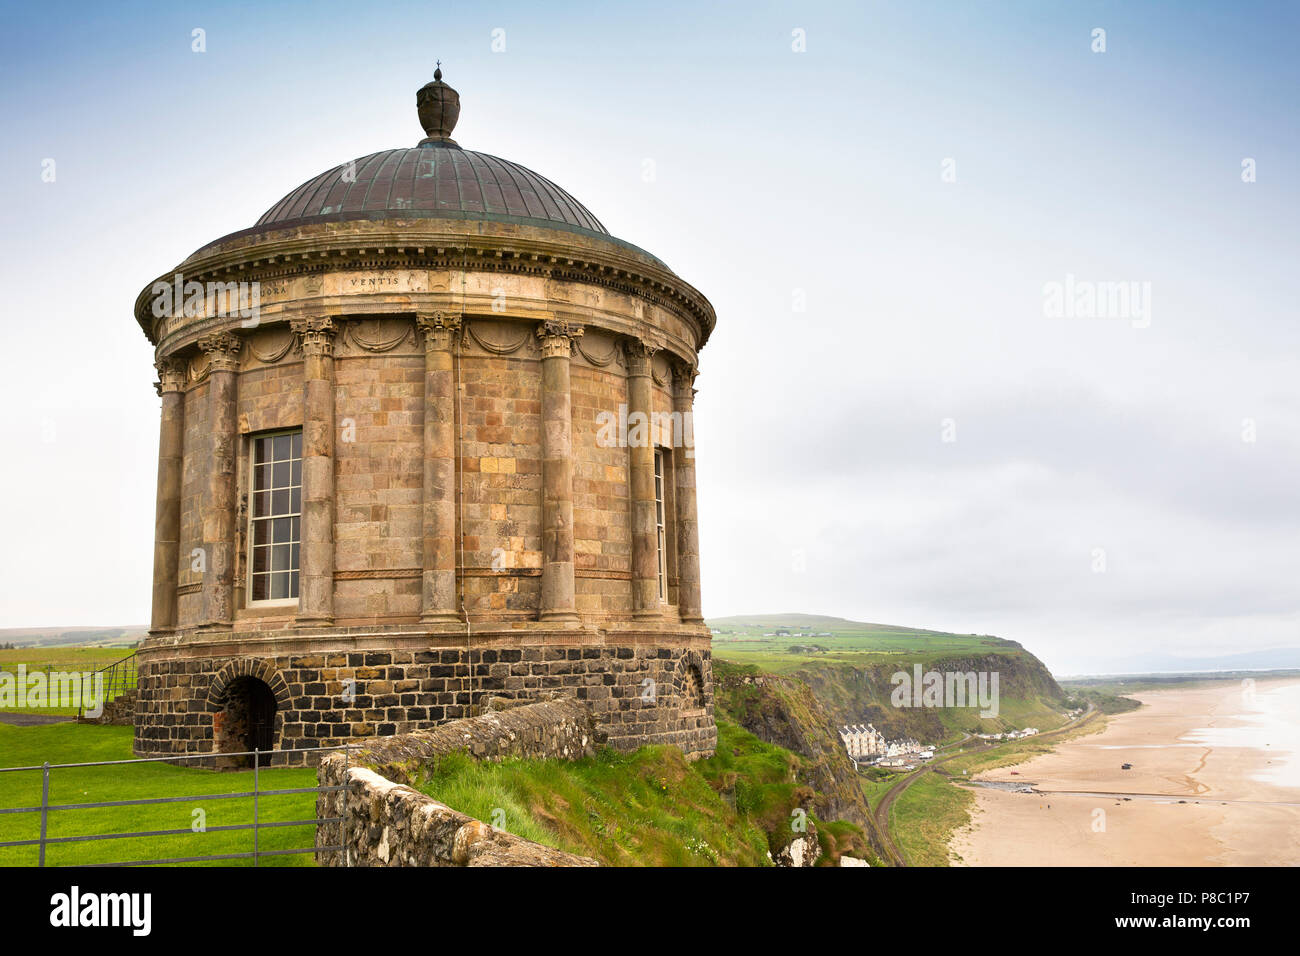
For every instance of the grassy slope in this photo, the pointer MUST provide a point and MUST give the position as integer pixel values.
(650, 807)
(81, 743)
(783, 711)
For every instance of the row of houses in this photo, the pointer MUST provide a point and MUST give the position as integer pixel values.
(865, 744)
(1010, 734)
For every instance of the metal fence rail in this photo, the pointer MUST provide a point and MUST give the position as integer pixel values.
(120, 678)
(46, 808)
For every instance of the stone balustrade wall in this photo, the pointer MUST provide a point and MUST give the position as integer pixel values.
(389, 823)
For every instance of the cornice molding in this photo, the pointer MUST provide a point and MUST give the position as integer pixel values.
(317, 254)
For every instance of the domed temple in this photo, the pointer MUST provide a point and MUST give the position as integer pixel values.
(426, 439)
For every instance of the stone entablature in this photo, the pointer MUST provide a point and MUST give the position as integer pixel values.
(443, 266)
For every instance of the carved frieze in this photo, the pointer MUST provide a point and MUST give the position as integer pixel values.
(378, 335)
(476, 332)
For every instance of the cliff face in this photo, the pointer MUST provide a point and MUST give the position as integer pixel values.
(1028, 695)
(803, 711)
(784, 711)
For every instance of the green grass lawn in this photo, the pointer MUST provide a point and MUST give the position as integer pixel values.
(80, 743)
(924, 817)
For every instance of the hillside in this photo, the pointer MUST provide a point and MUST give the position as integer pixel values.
(48, 637)
(781, 643)
(847, 667)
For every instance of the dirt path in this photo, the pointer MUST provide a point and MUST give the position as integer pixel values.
(33, 720)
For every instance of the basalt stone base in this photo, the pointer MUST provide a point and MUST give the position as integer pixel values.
(290, 691)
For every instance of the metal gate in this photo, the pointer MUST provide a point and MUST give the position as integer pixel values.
(257, 794)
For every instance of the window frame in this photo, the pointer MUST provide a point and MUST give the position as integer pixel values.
(250, 545)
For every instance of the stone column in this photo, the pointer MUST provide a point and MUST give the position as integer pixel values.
(688, 532)
(220, 491)
(167, 521)
(438, 514)
(558, 602)
(316, 554)
(645, 542)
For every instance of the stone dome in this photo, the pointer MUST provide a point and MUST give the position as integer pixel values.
(433, 180)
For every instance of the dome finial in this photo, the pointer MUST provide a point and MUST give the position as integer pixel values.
(439, 108)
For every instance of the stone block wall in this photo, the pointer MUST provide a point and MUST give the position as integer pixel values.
(118, 712)
(387, 823)
(602, 528)
(639, 692)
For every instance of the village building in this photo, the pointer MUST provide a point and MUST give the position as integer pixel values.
(862, 741)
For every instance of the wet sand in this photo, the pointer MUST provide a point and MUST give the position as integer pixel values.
(1236, 812)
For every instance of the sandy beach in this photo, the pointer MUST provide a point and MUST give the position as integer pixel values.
(1230, 754)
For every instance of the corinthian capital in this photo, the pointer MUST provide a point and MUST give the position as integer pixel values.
(223, 350)
(557, 336)
(684, 374)
(172, 372)
(439, 330)
(639, 353)
(315, 334)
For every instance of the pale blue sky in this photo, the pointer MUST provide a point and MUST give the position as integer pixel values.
(776, 171)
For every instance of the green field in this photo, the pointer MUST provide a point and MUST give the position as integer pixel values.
(67, 658)
(925, 816)
(752, 639)
(80, 743)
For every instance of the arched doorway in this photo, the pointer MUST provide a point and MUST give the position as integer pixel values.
(246, 720)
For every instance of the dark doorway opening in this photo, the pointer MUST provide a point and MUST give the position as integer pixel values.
(246, 722)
